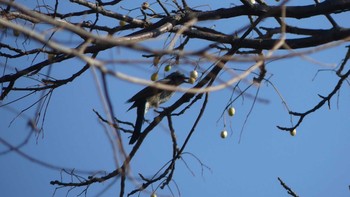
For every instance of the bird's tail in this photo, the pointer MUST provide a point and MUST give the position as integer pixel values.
(138, 124)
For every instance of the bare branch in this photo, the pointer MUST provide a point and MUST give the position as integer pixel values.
(289, 190)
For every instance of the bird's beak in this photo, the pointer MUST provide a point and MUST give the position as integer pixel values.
(186, 80)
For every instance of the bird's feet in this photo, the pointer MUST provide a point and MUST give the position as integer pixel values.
(159, 111)
(148, 121)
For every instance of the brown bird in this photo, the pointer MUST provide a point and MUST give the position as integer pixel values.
(152, 97)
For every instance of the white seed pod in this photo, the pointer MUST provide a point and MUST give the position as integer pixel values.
(223, 134)
(293, 133)
(194, 74)
(153, 195)
(191, 80)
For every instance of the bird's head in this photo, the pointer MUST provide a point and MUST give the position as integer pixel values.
(176, 78)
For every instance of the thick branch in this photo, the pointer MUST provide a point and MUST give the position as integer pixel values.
(323, 37)
(326, 7)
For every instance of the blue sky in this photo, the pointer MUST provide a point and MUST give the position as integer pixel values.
(312, 163)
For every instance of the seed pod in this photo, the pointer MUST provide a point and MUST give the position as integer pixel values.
(167, 68)
(293, 133)
(223, 134)
(153, 195)
(122, 23)
(194, 74)
(156, 60)
(154, 76)
(231, 111)
(191, 80)
(145, 6)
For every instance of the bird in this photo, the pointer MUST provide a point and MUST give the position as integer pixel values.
(152, 97)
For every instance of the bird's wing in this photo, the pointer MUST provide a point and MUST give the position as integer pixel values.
(143, 94)
(147, 91)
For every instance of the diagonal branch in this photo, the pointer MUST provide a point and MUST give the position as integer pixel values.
(325, 99)
(289, 190)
